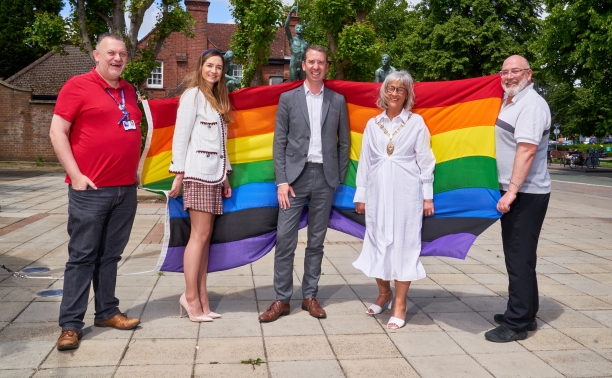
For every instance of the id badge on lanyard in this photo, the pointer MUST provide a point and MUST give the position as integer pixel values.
(128, 124)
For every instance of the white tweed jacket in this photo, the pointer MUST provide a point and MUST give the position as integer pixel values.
(199, 143)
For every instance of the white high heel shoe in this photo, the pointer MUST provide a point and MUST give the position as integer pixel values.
(375, 309)
(397, 323)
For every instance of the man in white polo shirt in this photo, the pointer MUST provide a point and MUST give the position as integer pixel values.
(521, 136)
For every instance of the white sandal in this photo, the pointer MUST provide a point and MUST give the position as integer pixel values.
(375, 309)
(395, 323)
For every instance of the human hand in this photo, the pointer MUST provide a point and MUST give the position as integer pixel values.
(227, 189)
(176, 185)
(360, 207)
(283, 195)
(82, 182)
(428, 208)
(503, 205)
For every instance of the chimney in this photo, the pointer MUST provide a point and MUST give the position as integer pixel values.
(199, 11)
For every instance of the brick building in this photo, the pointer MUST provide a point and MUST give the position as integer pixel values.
(180, 54)
(27, 98)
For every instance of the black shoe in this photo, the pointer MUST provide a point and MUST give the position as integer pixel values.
(503, 334)
(499, 319)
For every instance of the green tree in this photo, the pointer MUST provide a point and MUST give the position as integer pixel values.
(575, 50)
(90, 18)
(341, 25)
(454, 39)
(15, 16)
(388, 18)
(257, 22)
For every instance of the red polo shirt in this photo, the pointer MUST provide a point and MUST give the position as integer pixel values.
(104, 151)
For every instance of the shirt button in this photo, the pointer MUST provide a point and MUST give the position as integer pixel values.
(304, 155)
(307, 138)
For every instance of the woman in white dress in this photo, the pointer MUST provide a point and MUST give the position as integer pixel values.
(395, 191)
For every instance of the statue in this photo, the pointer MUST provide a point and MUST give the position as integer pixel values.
(231, 82)
(382, 72)
(298, 47)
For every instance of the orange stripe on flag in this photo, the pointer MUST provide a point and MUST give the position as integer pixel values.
(255, 121)
(161, 141)
(360, 115)
(461, 116)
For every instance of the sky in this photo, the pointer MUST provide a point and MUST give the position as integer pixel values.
(218, 12)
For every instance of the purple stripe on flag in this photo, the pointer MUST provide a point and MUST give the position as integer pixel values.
(339, 222)
(455, 245)
(225, 256)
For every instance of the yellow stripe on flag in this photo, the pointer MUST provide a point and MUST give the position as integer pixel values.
(473, 141)
(251, 148)
(156, 168)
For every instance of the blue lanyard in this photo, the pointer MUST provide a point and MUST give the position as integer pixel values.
(121, 106)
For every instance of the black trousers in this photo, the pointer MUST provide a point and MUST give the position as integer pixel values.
(521, 228)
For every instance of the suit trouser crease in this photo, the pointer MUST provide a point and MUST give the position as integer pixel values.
(521, 228)
(312, 186)
(99, 226)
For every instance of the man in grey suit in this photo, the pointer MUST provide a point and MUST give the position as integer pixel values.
(311, 152)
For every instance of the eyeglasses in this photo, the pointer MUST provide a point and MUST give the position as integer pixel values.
(400, 90)
(122, 54)
(319, 62)
(514, 71)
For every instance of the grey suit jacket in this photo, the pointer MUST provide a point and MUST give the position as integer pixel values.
(292, 136)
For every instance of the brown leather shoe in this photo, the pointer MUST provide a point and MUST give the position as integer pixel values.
(119, 321)
(314, 308)
(276, 310)
(69, 340)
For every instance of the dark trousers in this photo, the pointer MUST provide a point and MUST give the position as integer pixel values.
(521, 228)
(312, 186)
(99, 225)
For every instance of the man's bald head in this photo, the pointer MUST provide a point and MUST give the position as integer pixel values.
(517, 60)
(515, 75)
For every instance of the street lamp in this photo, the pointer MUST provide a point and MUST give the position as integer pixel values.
(556, 132)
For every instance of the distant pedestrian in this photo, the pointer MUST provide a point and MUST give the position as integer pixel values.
(95, 132)
(521, 135)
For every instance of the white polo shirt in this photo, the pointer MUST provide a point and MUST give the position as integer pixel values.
(525, 120)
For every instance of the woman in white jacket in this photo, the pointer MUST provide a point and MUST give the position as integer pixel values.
(201, 165)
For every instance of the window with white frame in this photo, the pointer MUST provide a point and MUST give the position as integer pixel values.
(156, 77)
(237, 73)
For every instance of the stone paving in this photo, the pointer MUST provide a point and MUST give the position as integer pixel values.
(449, 311)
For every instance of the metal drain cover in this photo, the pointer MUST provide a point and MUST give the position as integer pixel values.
(50, 293)
(35, 269)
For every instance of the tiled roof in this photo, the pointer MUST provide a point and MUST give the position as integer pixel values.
(278, 45)
(47, 75)
(220, 36)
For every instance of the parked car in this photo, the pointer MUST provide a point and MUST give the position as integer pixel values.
(607, 140)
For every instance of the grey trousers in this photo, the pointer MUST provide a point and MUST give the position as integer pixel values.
(312, 186)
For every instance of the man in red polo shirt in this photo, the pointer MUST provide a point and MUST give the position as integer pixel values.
(95, 132)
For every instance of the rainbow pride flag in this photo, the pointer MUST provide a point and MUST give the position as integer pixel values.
(459, 114)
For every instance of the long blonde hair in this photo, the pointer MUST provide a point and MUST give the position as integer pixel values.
(217, 97)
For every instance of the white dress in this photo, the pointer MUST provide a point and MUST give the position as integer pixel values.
(393, 188)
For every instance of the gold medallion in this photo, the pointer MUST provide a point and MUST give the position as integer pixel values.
(390, 148)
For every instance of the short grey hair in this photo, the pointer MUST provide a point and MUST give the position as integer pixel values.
(407, 82)
(111, 35)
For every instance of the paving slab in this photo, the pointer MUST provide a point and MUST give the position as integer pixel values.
(577, 363)
(382, 367)
(448, 311)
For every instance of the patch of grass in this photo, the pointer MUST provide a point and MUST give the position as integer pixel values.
(40, 162)
(160, 274)
(253, 362)
(605, 164)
